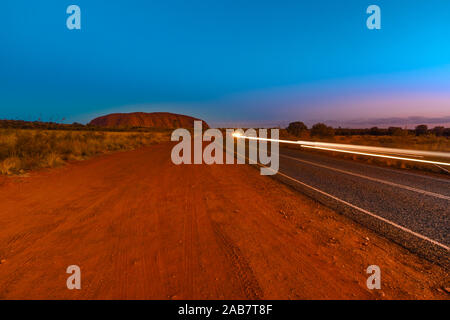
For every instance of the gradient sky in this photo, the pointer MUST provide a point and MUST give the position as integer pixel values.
(224, 60)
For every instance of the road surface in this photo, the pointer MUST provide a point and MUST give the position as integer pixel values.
(415, 202)
(140, 227)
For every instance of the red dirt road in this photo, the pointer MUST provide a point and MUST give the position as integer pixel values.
(140, 227)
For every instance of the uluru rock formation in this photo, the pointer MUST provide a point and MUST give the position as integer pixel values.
(144, 119)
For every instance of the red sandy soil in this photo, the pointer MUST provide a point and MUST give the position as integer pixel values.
(143, 119)
(140, 227)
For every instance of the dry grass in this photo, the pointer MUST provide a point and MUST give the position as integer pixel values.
(22, 150)
(428, 142)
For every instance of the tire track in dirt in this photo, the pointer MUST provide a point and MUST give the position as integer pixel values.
(241, 268)
(188, 252)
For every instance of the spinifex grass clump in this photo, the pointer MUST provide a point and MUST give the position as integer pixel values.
(22, 150)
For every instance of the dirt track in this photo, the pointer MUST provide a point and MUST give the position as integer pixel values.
(142, 228)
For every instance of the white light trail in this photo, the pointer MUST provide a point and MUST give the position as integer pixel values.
(346, 148)
(379, 155)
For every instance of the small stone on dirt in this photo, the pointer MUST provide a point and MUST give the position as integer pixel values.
(284, 214)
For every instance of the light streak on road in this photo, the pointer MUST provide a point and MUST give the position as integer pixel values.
(379, 155)
(347, 148)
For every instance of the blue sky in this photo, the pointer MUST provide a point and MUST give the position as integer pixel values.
(225, 61)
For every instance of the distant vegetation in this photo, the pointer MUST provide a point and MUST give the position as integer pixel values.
(21, 124)
(49, 145)
(299, 129)
(322, 130)
(423, 138)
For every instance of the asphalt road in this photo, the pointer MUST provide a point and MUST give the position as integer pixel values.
(406, 206)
